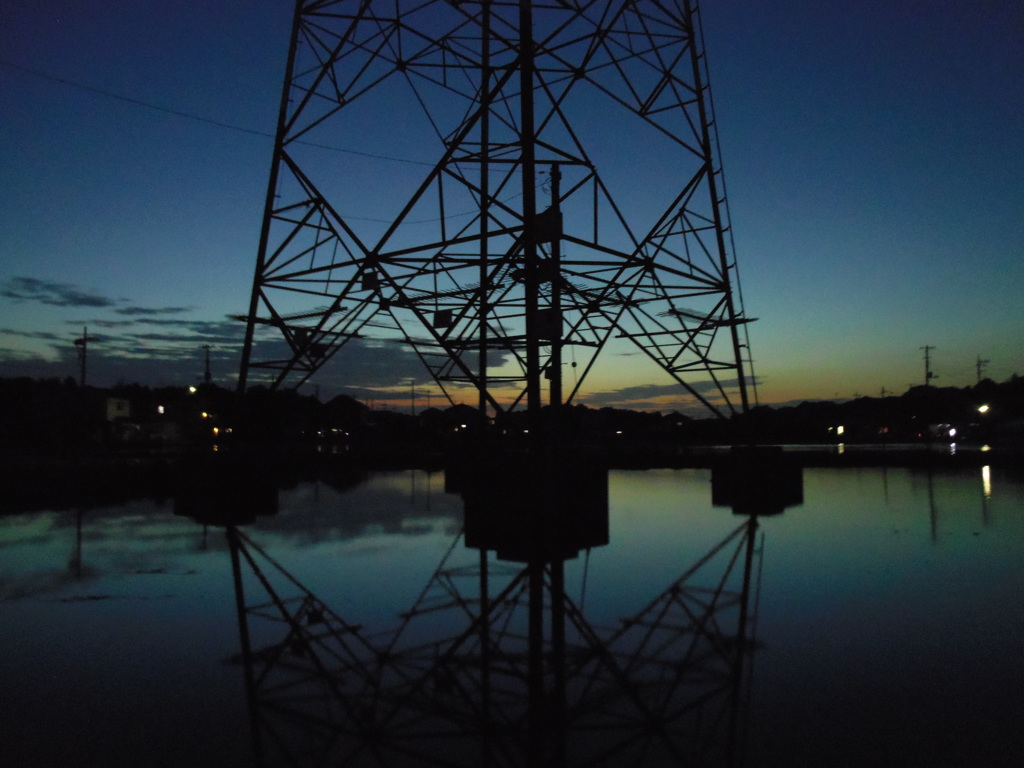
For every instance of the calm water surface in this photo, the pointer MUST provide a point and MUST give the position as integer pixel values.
(890, 625)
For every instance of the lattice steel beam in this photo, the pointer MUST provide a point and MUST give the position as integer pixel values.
(554, 185)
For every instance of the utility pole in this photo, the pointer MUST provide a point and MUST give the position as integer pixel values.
(83, 353)
(980, 366)
(206, 373)
(412, 397)
(928, 375)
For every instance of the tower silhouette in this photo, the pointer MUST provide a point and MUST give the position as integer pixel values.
(528, 187)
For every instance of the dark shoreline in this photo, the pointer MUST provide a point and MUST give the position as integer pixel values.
(35, 483)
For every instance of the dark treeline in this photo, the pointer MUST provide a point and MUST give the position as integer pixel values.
(986, 412)
(59, 417)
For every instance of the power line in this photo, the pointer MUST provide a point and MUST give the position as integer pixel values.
(240, 129)
(197, 118)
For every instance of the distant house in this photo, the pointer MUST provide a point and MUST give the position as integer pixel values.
(118, 409)
(137, 425)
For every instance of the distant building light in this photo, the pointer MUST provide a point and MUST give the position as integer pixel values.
(952, 431)
(840, 430)
(982, 409)
(160, 409)
(192, 390)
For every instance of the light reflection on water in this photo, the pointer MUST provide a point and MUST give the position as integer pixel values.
(890, 610)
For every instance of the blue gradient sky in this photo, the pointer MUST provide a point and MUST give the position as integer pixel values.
(873, 156)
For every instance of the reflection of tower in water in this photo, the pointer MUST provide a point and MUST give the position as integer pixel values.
(75, 563)
(495, 663)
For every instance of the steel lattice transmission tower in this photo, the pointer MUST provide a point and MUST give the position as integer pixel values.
(535, 184)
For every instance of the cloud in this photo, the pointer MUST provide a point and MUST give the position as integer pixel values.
(149, 345)
(16, 357)
(186, 332)
(51, 293)
(662, 397)
(150, 311)
(105, 323)
(57, 294)
(361, 364)
(114, 362)
(650, 391)
(401, 395)
(647, 392)
(172, 337)
(44, 335)
(165, 345)
(223, 331)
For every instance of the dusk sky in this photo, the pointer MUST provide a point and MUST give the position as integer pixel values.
(873, 154)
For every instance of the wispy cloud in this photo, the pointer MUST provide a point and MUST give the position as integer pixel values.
(104, 323)
(170, 337)
(181, 331)
(166, 345)
(128, 341)
(133, 311)
(44, 335)
(646, 392)
(662, 397)
(360, 365)
(228, 329)
(51, 293)
(654, 391)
